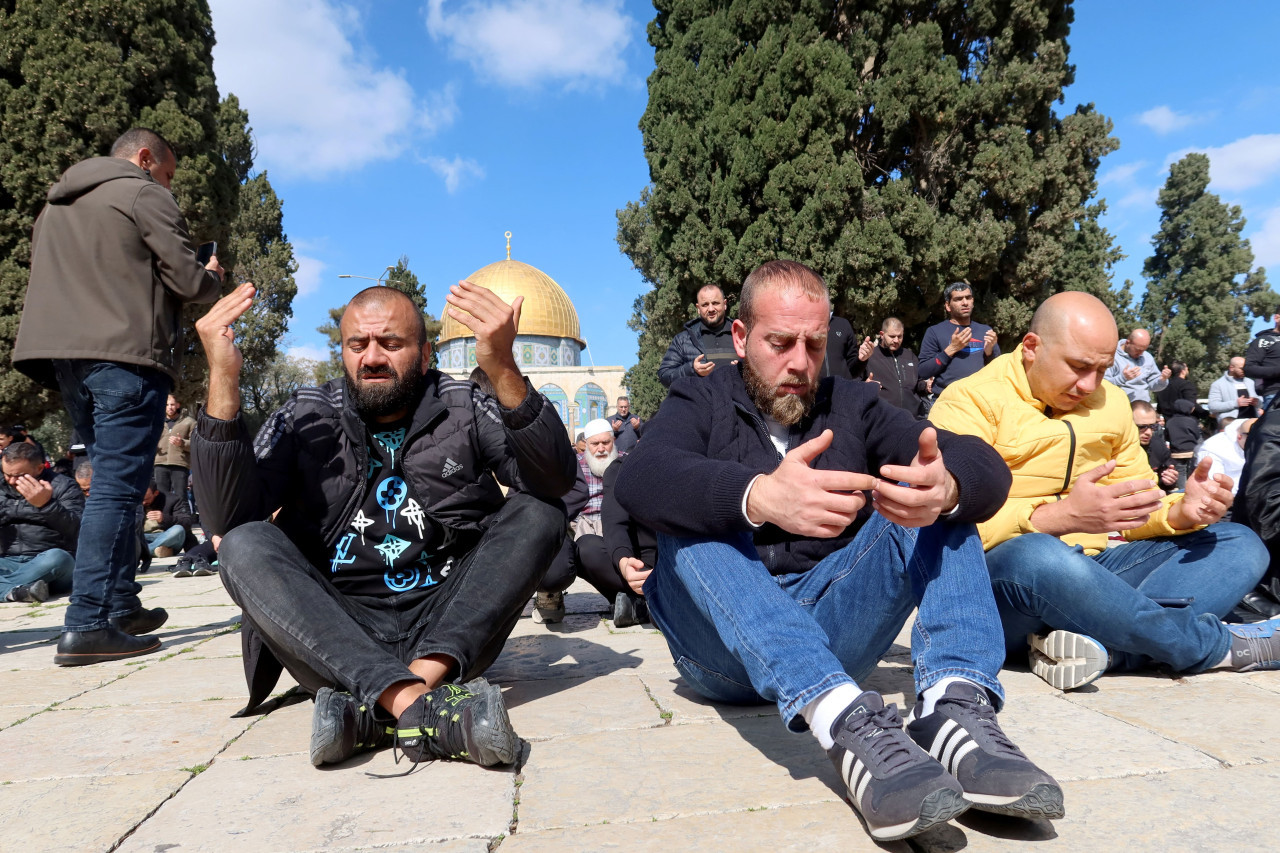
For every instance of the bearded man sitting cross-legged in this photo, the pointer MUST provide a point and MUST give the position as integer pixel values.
(395, 568)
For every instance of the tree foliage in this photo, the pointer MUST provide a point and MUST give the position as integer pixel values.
(893, 145)
(74, 75)
(268, 386)
(402, 279)
(1201, 287)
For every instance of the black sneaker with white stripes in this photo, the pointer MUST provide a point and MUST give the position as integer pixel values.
(896, 788)
(962, 734)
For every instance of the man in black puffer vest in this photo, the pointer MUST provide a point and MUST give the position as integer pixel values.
(394, 569)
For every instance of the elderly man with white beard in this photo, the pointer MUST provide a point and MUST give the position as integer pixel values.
(582, 506)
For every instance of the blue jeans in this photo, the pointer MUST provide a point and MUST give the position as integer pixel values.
(171, 538)
(53, 566)
(743, 636)
(1041, 582)
(118, 410)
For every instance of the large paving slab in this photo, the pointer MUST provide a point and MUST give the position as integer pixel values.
(80, 814)
(283, 803)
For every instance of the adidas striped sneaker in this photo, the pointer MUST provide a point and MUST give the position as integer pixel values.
(1066, 660)
(962, 734)
(895, 788)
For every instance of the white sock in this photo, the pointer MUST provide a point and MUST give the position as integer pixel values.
(932, 694)
(822, 712)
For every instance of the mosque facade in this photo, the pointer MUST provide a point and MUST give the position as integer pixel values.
(548, 346)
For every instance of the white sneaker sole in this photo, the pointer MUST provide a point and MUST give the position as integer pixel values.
(1065, 660)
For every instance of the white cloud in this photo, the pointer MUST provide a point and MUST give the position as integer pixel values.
(454, 171)
(526, 42)
(1163, 120)
(1121, 174)
(308, 275)
(1140, 197)
(1266, 240)
(309, 351)
(318, 103)
(1241, 165)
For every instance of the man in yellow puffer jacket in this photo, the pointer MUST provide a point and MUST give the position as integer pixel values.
(1079, 474)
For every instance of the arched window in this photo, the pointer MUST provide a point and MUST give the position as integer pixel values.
(592, 401)
(556, 396)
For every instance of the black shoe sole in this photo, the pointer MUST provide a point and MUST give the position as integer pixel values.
(938, 807)
(87, 658)
(1044, 801)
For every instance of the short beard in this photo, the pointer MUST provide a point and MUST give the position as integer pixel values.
(786, 409)
(386, 398)
(596, 465)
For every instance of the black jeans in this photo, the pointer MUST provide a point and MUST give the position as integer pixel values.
(364, 644)
(588, 558)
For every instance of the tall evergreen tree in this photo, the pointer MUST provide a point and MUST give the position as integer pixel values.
(1201, 285)
(402, 279)
(74, 75)
(1088, 255)
(893, 145)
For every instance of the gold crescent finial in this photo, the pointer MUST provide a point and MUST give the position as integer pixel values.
(508, 245)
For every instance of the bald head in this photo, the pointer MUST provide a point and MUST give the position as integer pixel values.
(1072, 310)
(1137, 343)
(1071, 343)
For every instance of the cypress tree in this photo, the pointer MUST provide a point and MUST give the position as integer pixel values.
(893, 145)
(1201, 287)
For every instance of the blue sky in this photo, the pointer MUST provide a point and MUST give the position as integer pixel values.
(430, 128)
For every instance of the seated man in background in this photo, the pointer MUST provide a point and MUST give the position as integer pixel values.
(1079, 474)
(394, 569)
(1158, 456)
(39, 522)
(775, 582)
(166, 521)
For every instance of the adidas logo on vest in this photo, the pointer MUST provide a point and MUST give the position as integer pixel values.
(450, 468)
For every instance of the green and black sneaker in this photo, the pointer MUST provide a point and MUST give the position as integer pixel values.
(466, 722)
(341, 727)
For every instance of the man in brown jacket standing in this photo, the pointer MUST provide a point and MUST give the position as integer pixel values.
(111, 247)
(173, 454)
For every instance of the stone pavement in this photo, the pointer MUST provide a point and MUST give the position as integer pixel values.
(144, 755)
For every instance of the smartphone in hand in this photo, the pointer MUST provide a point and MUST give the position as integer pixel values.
(206, 252)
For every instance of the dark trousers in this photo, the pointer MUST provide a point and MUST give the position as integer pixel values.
(364, 644)
(172, 480)
(588, 558)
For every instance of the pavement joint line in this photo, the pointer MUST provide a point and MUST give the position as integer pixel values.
(667, 714)
(204, 765)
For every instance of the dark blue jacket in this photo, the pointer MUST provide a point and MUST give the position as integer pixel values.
(708, 441)
(945, 369)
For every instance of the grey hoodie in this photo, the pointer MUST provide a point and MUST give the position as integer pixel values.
(111, 266)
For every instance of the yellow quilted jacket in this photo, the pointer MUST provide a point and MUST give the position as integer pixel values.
(1047, 453)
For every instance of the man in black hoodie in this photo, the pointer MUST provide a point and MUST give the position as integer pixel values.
(111, 249)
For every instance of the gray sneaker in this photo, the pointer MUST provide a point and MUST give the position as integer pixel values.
(341, 727)
(1255, 646)
(963, 734)
(1066, 660)
(896, 788)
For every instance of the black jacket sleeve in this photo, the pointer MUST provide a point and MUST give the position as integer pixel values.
(671, 484)
(678, 359)
(1258, 366)
(614, 520)
(232, 487)
(540, 461)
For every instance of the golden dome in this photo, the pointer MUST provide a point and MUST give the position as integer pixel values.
(547, 309)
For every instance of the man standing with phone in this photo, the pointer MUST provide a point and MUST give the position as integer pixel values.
(111, 245)
(957, 347)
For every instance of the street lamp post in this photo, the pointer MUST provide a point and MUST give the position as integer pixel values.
(382, 279)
